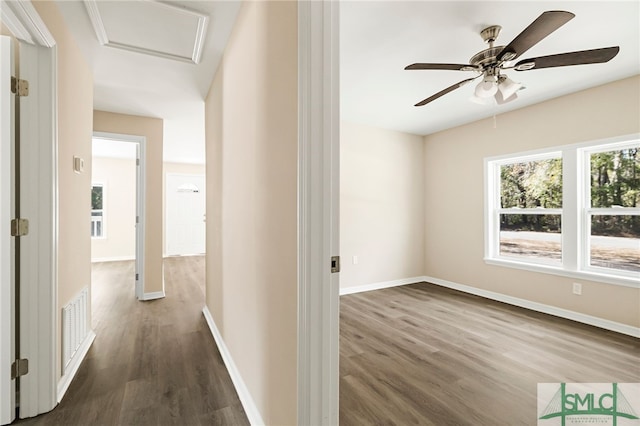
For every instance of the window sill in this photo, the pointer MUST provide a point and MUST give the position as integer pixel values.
(554, 270)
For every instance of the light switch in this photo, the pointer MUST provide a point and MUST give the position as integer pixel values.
(78, 164)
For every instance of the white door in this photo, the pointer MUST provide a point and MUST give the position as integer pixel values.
(7, 259)
(185, 214)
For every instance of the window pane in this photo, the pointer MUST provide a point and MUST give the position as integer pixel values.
(531, 184)
(531, 236)
(615, 178)
(615, 242)
(96, 198)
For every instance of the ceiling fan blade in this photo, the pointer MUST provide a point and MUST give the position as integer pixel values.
(453, 67)
(593, 56)
(544, 25)
(445, 91)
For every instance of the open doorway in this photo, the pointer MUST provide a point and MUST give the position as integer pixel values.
(117, 203)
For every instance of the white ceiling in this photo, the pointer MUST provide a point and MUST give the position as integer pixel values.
(134, 83)
(107, 148)
(378, 39)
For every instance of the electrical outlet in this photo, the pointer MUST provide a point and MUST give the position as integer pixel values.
(577, 289)
(355, 260)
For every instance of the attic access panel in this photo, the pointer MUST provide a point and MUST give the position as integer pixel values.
(149, 27)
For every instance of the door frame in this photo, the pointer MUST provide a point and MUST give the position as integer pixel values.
(7, 254)
(140, 142)
(166, 222)
(318, 211)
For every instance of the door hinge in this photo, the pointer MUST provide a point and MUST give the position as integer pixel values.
(335, 264)
(137, 161)
(137, 219)
(19, 227)
(137, 277)
(19, 87)
(19, 368)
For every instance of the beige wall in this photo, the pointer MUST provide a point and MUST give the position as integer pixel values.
(454, 227)
(151, 128)
(118, 175)
(251, 133)
(178, 168)
(381, 205)
(75, 106)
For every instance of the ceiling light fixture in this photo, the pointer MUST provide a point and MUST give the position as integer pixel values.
(487, 87)
(507, 87)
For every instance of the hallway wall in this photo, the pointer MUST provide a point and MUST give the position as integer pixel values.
(151, 128)
(251, 120)
(75, 123)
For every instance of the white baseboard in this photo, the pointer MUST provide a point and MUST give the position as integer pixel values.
(72, 368)
(112, 259)
(154, 295)
(253, 414)
(540, 307)
(380, 285)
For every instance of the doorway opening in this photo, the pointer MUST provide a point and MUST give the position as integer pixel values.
(117, 202)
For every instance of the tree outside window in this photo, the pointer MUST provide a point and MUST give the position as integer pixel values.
(97, 211)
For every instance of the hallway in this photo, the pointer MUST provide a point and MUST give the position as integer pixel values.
(152, 363)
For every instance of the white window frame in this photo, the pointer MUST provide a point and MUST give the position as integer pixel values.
(104, 210)
(576, 209)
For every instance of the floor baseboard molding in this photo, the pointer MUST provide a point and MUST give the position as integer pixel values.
(72, 369)
(250, 408)
(539, 307)
(153, 295)
(112, 259)
(380, 285)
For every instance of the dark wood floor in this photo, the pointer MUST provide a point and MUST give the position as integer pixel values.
(426, 355)
(152, 363)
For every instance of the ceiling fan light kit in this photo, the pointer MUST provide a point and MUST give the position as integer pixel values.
(488, 63)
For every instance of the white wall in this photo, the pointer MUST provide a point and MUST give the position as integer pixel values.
(252, 205)
(118, 176)
(381, 205)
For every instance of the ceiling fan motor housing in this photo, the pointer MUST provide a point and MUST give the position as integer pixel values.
(486, 57)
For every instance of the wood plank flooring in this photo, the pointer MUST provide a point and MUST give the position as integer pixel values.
(426, 355)
(152, 363)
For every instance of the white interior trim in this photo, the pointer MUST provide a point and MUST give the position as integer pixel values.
(540, 307)
(95, 17)
(379, 286)
(74, 365)
(25, 23)
(141, 142)
(153, 295)
(318, 212)
(7, 254)
(38, 249)
(499, 297)
(112, 259)
(250, 408)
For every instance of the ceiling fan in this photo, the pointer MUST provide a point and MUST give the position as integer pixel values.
(489, 63)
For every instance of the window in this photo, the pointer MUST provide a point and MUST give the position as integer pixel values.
(612, 215)
(530, 209)
(572, 210)
(97, 211)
